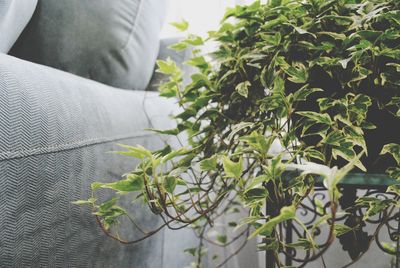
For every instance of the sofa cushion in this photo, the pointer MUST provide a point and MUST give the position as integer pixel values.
(113, 42)
(14, 16)
(55, 132)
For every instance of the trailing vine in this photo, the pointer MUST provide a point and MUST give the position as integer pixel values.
(294, 87)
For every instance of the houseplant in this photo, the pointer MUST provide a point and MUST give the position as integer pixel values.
(320, 80)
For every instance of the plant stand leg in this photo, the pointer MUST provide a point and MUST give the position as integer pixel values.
(288, 240)
(270, 210)
(269, 254)
(269, 259)
(398, 243)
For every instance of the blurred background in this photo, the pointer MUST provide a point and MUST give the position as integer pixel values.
(202, 16)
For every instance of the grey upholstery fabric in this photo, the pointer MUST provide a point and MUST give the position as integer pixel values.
(55, 130)
(113, 42)
(14, 16)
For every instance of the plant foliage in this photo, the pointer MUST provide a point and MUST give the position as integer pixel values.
(305, 85)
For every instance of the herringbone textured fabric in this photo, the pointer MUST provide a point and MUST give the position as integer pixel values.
(55, 130)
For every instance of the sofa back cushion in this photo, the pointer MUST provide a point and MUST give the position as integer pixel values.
(114, 42)
(14, 16)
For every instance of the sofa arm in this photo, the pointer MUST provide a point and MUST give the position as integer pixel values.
(55, 132)
(180, 57)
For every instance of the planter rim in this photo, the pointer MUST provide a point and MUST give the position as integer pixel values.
(355, 179)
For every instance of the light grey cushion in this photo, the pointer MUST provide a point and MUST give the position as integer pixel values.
(14, 16)
(114, 42)
(55, 132)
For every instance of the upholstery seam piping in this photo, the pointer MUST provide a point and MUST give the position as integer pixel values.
(8, 155)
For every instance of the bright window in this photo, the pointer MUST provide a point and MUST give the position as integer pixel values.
(202, 15)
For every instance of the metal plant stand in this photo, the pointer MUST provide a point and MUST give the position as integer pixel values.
(355, 242)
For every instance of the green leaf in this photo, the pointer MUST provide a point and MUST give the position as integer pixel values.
(394, 172)
(286, 213)
(243, 88)
(135, 151)
(222, 239)
(170, 184)
(162, 152)
(179, 46)
(232, 224)
(208, 164)
(173, 131)
(168, 90)
(393, 149)
(175, 153)
(90, 201)
(257, 181)
(275, 168)
(346, 151)
(359, 73)
(374, 205)
(301, 243)
(229, 12)
(194, 40)
(132, 183)
(314, 154)
(232, 169)
(259, 142)
(238, 127)
(279, 86)
(272, 40)
(389, 247)
(181, 26)
(302, 31)
(342, 20)
(297, 73)
(267, 75)
(275, 3)
(198, 62)
(321, 118)
(191, 251)
(274, 22)
(344, 62)
(167, 67)
(104, 207)
(341, 229)
(255, 195)
(319, 206)
(334, 138)
(337, 36)
(394, 189)
(304, 92)
(96, 185)
(369, 35)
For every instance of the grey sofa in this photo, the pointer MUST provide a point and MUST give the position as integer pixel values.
(55, 131)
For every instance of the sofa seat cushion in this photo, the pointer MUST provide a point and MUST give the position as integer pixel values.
(14, 16)
(56, 130)
(113, 42)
